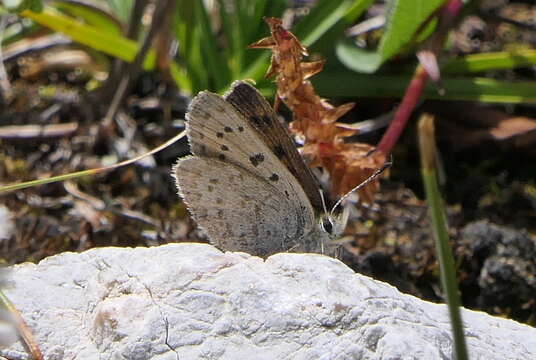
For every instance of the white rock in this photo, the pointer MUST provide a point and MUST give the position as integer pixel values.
(191, 301)
(6, 223)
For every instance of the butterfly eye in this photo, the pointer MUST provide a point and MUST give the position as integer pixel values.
(327, 225)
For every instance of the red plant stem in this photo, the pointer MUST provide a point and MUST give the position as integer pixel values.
(402, 114)
(418, 82)
(452, 9)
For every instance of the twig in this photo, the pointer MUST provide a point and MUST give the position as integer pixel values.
(37, 131)
(30, 45)
(24, 331)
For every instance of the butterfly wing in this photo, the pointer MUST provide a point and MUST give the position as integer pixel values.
(241, 211)
(257, 111)
(217, 130)
(223, 140)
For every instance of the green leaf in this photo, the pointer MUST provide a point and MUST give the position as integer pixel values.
(324, 23)
(91, 15)
(472, 89)
(258, 69)
(320, 19)
(232, 23)
(188, 35)
(216, 64)
(254, 62)
(244, 25)
(322, 39)
(357, 59)
(93, 37)
(404, 19)
(491, 61)
(109, 43)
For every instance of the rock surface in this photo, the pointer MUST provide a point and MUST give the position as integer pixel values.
(191, 301)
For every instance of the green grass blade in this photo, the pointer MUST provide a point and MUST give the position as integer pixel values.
(439, 227)
(236, 46)
(108, 43)
(27, 184)
(91, 16)
(217, 65)
(188, 34)
(181, 78)
(491, 61)
(404, 20)
(344, 84)
(321, 18)
(258, 69)
(256, 61)
(111, 44)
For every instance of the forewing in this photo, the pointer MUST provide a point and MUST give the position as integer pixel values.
(240, 211)
(217, 130)
(253, 106)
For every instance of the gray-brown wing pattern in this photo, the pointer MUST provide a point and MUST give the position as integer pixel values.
(238, 210)
(217, 130)
(260, 115)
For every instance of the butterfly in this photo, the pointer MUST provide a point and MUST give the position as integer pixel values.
(245, 184)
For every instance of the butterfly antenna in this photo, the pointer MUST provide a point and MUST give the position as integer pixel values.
(325, 214)
(371, 178)
(323, 201)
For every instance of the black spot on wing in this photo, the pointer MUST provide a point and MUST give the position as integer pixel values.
(256, 159)
(221, 157)
(274, 177)
(224, 148)
(219, 134)
(228, 129)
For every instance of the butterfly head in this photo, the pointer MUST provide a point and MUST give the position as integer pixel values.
(334, 224)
